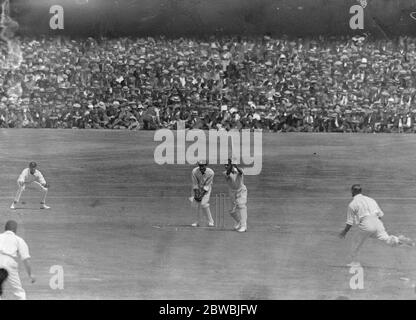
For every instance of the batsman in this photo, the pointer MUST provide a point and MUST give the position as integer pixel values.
(234, 177)
(202, 179)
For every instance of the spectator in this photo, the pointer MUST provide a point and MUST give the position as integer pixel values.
(329, 85)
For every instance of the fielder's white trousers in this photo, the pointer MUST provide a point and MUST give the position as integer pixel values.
(238, 200)
(13, 280)
(36, 185)
(371, 227)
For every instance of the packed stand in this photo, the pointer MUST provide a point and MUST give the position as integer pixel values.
(323, 85)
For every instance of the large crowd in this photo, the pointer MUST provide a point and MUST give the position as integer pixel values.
(338, 84)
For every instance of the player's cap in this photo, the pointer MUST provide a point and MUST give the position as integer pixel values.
(32, 165)
(202, 162)
(356, 188)
(11, 225)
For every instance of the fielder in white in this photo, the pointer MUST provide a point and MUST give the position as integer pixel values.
(12, 247)
(365, 212)
(234, 177)
(202, 179)
(32, 178)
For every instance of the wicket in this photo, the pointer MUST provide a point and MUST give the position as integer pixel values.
(220, 209)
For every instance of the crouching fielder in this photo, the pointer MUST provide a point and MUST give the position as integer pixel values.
(202, 178)
(238, 195)
(365, 212)
(33, 178)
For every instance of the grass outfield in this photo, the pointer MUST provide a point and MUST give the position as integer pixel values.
(118, 220)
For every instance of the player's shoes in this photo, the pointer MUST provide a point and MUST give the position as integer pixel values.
(211, 224)
(354, 264)
(195, 224)
(406, 241)
(44, 206)
(12, 206)
(242, 229)
(237, 226)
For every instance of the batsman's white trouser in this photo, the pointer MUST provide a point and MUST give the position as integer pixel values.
(238, 200)
(13, 280)
(371, 227)
(36, 185)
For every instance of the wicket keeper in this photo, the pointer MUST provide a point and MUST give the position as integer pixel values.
(202, 179)
(234, 178)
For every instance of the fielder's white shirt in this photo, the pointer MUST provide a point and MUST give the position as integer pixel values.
(235, 180)
(202, 181)
(12, 245)
(27, 177)
(360, 207)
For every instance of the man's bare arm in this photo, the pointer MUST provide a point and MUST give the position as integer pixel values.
(345, 231)
(238, 169)
(29, 270)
